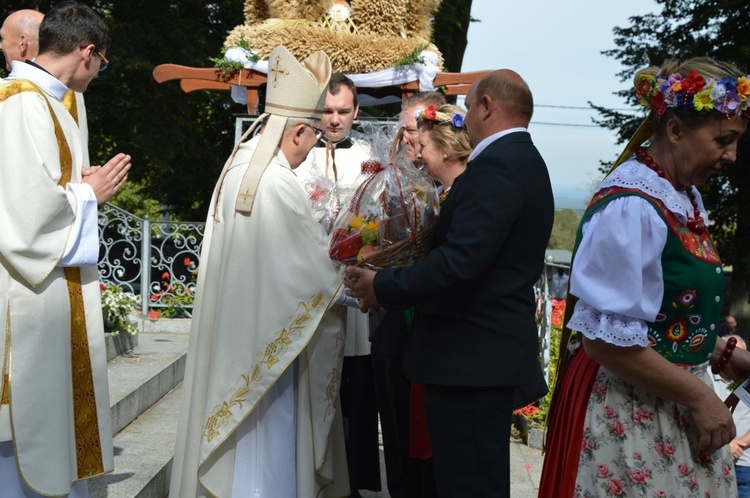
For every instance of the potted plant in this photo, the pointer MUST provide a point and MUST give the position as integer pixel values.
(116, 308)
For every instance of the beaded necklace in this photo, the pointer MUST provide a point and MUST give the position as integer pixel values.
(696, 225)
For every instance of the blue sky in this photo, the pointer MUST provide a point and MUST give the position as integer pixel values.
(556, 47)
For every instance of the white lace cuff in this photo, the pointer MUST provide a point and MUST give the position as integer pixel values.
(613, 328)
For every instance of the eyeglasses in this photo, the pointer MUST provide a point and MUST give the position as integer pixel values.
(105, 62)
(318, 132)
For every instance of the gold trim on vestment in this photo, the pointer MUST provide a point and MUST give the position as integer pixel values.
(334, 376)
(269, 357)
(70, 103)
(5, 393)
(88, 442)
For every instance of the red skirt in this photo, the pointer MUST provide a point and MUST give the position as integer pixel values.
(419, 436)
(565, 427)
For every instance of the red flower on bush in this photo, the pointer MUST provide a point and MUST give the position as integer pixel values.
(558, 313)
(527, 411)
(186, 261)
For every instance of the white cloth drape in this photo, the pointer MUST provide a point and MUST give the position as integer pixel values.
(424, 73)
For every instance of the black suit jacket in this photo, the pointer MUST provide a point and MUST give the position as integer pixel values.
(475, 324)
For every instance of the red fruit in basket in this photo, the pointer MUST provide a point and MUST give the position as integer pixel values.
(365, 251)
(345, 245)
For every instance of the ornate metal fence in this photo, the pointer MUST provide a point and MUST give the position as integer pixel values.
(156, 261)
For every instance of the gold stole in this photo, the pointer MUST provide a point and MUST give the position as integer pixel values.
(88, 443)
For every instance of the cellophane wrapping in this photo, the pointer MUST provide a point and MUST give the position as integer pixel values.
(389, 220)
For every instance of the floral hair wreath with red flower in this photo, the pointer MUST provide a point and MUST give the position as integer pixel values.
(694, 93)
(430, 113)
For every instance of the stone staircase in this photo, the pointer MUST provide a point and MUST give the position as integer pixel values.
(145, 380)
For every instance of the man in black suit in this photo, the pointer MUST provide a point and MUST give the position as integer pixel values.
(475, 339)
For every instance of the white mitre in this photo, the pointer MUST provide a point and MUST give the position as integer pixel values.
(294, 90)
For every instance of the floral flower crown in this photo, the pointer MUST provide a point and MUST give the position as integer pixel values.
(430, 113)
(693, 93)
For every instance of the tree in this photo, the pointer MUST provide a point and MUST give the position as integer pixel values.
(564, 230)
(178, 141)
(451, 27)
(684, 29)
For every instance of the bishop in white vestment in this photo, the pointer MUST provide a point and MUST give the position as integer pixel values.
(260, 414)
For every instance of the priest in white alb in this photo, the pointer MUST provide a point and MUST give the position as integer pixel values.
(55, 428)
(260, 413)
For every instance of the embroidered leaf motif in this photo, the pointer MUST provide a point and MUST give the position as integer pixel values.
(269, 357)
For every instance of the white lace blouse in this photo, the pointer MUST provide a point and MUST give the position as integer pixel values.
(617, 272)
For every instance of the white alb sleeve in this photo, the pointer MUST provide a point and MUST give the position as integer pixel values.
(82, 247)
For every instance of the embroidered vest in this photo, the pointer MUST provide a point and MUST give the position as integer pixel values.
(684, 330)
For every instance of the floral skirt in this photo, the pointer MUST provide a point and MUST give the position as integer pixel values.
(637, 444)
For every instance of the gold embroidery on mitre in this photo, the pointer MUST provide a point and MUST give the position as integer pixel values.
(278, 71)
(88, 442)
(269, 357)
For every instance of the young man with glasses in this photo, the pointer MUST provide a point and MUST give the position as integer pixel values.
(55, 427)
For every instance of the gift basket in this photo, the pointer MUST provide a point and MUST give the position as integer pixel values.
(389, 220)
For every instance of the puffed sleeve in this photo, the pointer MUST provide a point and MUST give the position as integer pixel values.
(617, 273)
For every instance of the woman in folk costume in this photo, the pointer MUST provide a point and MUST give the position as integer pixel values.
(634, 413)
(260, 414)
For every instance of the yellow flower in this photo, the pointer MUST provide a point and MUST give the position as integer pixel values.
(703, 101)
(743, 87)
(371, 225)
(356, 222)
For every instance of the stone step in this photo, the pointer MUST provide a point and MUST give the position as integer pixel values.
(119, 344)
(140, 378)
(143, 454)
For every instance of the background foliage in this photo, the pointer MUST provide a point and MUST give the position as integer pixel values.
(564, 230)
(683, 29)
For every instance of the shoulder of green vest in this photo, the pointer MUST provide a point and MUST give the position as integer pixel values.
(607, 195)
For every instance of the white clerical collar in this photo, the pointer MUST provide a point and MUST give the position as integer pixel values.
(47, 82)
(487, 141)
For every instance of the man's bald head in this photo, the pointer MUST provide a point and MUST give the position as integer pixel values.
(499, 101)
(19, 36)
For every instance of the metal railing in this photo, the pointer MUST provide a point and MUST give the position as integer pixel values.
(155, 260)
